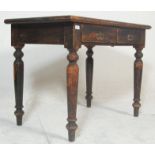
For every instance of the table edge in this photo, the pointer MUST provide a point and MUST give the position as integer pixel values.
(75, 19)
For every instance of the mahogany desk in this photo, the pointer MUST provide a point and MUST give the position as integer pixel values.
(72, 32)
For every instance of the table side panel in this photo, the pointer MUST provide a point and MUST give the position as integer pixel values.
(93, 34)
(38, 34)
(98, 34)
(103, 35)
(130, 36)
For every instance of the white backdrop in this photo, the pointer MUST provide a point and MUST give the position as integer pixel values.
(109, 120)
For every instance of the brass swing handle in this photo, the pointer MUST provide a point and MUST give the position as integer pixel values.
(100, 36)
(130, 37)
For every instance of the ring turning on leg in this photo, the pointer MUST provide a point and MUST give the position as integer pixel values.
(138, 67)
(18, 83)
(72, 91)
(89, 75)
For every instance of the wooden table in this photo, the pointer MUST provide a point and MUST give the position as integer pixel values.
(72, 32)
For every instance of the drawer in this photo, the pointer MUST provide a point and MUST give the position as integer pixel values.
(99, 34)
(125, 36)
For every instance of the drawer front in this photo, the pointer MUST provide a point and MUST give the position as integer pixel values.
(98, 34)
(125, 36)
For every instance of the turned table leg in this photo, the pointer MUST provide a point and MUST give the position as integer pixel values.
(138, 67)
(18, 83)
(89, 75)
(72, 88)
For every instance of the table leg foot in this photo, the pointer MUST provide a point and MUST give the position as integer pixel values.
(19, 116)
(71, 126)
(136, 112)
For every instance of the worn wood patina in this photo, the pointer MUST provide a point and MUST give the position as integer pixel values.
(73, 32)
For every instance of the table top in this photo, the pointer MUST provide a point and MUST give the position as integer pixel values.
(75, 19)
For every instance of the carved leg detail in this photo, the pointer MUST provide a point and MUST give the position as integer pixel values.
(138, 67)
(72, 89)
(89, 76)
(18, 83)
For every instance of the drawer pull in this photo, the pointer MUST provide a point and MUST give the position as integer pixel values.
(130, 37)
(100, 36)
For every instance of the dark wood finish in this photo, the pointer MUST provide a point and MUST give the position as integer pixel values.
(38, 34)
(99, 34)
(72, 43)
(138, 68)
(72, 32)
(75, 19)
(72, 87)
(18, 82)
(89, 75)
(126, 36)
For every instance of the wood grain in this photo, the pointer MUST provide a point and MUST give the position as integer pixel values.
(75, 19)
(73, 32)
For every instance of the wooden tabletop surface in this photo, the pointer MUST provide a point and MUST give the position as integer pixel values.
(75, 19)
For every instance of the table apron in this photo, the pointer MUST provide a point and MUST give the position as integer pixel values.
(93, 34)
(37, 34)
(112, 35)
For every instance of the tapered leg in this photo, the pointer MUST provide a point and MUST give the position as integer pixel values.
(89, 76)
(72, 88)
(18, 83)
(138, 67)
